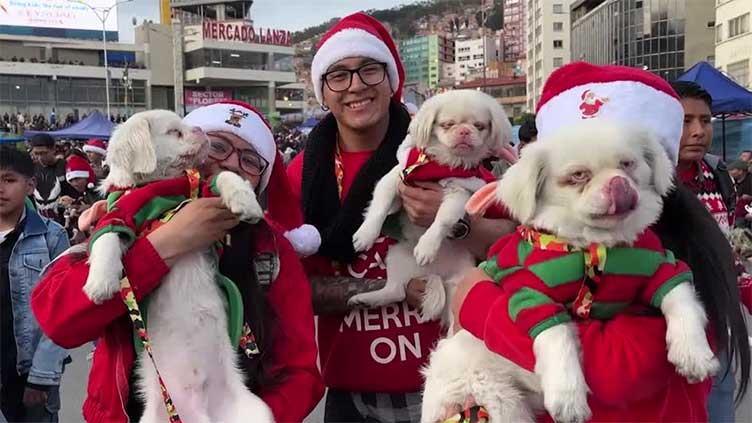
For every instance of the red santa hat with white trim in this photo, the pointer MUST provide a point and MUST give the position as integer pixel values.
(95, 145)
(78, 167)
(616, 93)
(250, 125)
(357, 35)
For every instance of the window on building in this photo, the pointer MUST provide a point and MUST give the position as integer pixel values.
(738, 25)
(719, 33)
(739, 71)
(558, 62)
(558, 8)
(558, 26)
(558, 43)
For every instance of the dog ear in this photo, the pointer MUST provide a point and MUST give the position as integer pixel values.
(131, 149)
(421, 127)
(501, 130)
(521, 184)
(660, 165)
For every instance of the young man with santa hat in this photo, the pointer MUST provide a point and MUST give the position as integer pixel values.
(624, 359)
(96, 151)
(80, 177)
(370, 359)
(261, 259)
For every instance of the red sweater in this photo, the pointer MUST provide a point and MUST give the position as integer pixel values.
(376, 350)
(420, 167)
(624, 360)
(80, 321)
(543, 282)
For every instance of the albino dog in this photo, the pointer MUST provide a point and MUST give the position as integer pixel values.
(187, 320)
(448, 139)
(596, 182)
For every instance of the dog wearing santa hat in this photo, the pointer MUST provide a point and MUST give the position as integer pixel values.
(586, 195)
(191, 313)
(450, 136)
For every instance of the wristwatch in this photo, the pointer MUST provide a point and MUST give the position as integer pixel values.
(461, 229)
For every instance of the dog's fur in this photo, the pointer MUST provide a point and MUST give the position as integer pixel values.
(544, 190)
(187, 317)
(459, 129)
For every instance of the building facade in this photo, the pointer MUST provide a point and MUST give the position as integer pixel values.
(425, 58)
(209, 51)
(733, 40)
(665, 37)
(508, 91)
(472, 55)
(548, 43)
(513, 33)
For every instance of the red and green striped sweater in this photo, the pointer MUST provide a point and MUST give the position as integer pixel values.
(544, 283)
(130, 212)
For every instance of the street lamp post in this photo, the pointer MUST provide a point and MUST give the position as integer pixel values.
(105, 13)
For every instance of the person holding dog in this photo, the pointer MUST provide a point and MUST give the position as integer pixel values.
(624, 359)
(370, 359)
(261, 259)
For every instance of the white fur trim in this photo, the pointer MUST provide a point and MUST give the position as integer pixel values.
(305, 239)
(628, 101)
(252, 129)
(351, 43)
(73, 174)
(94, 149)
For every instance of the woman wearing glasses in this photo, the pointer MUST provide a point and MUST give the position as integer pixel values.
(260, 259)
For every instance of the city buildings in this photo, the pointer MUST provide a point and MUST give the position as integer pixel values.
(508, 91)
(208, 51)
(733, 40)
(471, 55)
(666, 37)
(513, 32)
(548, 43)
(425, 58)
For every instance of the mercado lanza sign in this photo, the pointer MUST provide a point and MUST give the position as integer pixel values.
(241, 32)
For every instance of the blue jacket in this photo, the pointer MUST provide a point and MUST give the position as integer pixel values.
(39, 243)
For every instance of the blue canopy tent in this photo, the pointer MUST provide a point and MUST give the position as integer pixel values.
(308, 125)
(7, 137)
(729, 98)
(96, 125)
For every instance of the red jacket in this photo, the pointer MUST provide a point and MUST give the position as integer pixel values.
(624, 360)
(70, 319)
(375, 350)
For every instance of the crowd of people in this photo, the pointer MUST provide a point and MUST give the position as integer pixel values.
(368, 361)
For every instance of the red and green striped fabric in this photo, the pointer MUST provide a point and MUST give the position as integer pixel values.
(543, 283)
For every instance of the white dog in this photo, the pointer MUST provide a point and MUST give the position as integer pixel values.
(596, 182)
(449, 137)
(187, 321)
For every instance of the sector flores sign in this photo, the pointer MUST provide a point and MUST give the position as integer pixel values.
(244, 33)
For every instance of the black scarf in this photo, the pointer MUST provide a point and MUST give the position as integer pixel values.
(337, 221)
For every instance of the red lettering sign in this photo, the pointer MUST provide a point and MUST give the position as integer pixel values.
(228, 31)
(202, 98)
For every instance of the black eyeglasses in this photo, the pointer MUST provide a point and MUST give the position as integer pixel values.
(341, 79)
(250, 162)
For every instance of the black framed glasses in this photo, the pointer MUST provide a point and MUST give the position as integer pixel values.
(341, 79)
(250, 161)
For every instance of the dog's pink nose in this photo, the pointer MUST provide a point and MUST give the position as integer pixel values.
(464, 131)
(623, 197)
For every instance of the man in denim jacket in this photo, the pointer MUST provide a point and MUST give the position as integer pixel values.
(31, 366)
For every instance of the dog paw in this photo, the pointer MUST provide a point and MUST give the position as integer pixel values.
(238, 196)
(567, 404)
(365, 236)
(100, 288)
(426, 250)
(694, 363)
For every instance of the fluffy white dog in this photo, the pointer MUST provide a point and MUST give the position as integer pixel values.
(448, 138)
(596, 182)
(187, 320)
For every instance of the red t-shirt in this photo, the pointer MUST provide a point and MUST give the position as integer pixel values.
(375, 350)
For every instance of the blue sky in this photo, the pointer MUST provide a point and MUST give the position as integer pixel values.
(282, 14)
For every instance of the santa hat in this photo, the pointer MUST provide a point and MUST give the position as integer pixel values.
(96, 146)
(250, 125)
(626, 94)
(78, 167)
(357, 35)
